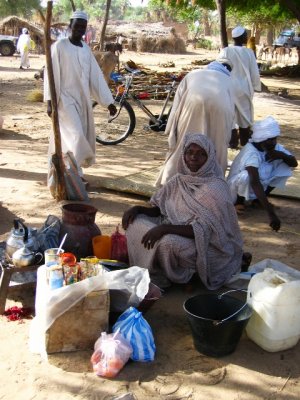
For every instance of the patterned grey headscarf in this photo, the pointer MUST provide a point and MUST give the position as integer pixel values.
(211, 167)
(202, 199)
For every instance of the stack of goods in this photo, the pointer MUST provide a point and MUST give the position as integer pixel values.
(68, 271)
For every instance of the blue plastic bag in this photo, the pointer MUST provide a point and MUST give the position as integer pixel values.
(137, 331)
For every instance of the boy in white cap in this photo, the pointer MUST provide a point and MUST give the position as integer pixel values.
(78, 78)
(261, 166)
(246, 80)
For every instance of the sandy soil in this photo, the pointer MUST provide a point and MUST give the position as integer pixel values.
(179, 371)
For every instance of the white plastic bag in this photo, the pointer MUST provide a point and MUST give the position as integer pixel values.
(49, 305)
(133, 326)
(276, 265)
(112, 351)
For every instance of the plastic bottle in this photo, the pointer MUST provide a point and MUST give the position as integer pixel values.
(275, 299)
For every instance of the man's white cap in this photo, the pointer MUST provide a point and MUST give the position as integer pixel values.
(265, 129)
(237, 31)
(78, 14)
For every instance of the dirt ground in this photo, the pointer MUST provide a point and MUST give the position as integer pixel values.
(179, 371)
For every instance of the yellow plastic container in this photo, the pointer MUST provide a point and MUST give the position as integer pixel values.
(102, 246)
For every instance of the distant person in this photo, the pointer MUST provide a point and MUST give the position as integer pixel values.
(261, 166)
(246, 80)
(78, 78)
(23, 47)
(203, 102)
(251, 44)
(88, 35)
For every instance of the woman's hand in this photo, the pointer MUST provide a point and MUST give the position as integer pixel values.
(153, 235)
(129, 216)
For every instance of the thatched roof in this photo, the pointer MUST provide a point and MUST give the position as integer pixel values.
(13, 25)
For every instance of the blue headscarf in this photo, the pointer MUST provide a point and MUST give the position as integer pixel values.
(217, 66)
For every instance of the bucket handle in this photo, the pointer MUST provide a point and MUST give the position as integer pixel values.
(230, 291)
(236, 312)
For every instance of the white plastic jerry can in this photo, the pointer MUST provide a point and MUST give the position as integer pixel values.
(275, 299)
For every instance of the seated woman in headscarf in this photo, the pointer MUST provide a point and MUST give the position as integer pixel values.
(261, 166)
(191, 226)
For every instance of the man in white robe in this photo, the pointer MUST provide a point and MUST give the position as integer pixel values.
(245, 80)
(23, 47)
(78, 78)
(203, 103)
(261, 166)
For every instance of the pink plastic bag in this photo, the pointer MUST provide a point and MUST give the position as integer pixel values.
(112, 351)
(119, 250)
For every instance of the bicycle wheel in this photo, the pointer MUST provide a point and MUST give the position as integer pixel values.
(118, 129)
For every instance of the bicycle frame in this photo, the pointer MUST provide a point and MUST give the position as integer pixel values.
(157, 121)
(111, 130)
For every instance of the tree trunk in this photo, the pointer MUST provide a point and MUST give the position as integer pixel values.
(57, 157)
(292, 7)
(221, 6)
(73, 5)
(207, 30)
(105, 20)
(270, 36)
(257, 34)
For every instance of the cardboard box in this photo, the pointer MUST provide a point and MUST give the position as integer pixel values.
(80, 326)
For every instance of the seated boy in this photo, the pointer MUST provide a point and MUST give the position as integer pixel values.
(261, 166)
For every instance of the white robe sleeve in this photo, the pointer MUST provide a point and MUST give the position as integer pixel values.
(254, 73)
(170, 124)
(98, 86)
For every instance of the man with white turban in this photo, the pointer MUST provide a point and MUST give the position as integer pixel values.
(203, 102)
(245, 80)
(23, 47)
(261, 166)
(78, 78)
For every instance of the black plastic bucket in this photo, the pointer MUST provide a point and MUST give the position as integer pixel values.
(217, 322)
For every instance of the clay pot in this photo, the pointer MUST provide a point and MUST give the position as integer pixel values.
(78, 221)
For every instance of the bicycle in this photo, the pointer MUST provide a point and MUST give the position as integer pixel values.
(115, 129)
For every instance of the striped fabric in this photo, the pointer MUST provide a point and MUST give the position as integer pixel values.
(202, 200)
(137, 331)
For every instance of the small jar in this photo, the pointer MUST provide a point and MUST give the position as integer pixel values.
(70, 273)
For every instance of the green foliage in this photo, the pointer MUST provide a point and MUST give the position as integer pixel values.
(261, 17)
(94, 8)
(204, 44)
(273, 8)
(258, 11)
(21, 8)
(135, 14)
(263, 12)
(183, 12)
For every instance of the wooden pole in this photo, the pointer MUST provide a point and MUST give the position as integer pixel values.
(57, 158)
